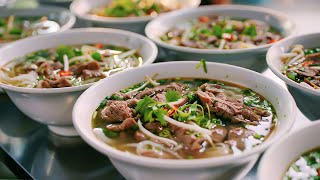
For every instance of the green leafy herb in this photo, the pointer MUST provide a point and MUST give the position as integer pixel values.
(172, 96)
(109, 133)
(16, 31)
(143, 104)
(64, 50)
(115, 97)
(96, 56)
(102, 104)
(292, 75)
(160, 113)
(217, 30)
(202, 64)
(250, 30)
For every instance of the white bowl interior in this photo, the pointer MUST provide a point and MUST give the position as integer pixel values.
(90, 99)
(82, 8)
(275, 52)
(182, 19)
(279, 157)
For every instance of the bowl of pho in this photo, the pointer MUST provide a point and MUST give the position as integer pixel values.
(232, 34)
(44, 75)
(131, 15)
(297, 156)
(297, 62)
(17, 24)
(176, 120)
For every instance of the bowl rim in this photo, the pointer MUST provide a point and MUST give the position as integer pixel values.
(117, 20)
(34, 39)
(68, 25)
(218, 7)
(268, 153)
(279, 74)
(177, 164)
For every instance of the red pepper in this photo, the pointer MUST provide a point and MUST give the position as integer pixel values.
(204, 19)
(65, 73)
(307, 63)
(172, 111)
(272, 41)
(99, 45)
(319, 172)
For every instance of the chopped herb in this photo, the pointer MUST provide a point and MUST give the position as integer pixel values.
(172, 96)
(96, 56)
(203, 64)
(109, 133)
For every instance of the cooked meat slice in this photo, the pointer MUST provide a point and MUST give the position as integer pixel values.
(158, 89)
(160, 97)
(153, 126)
(219, 134)
(313, 57)
(204, 97)
(248, 113)
(116, 111)
(78, 69)
(45, 69)
(87, 74)
(191, 142)
(307, 72)
(59, 83)
(224, 107)
(132, 102)
(139, 136)
(213, 88)
(125, 96)
(237, 136)
(57, 65)
(125, 125)
(239, 118)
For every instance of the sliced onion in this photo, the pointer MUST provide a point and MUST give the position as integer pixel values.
(166, 141)
(187, 126)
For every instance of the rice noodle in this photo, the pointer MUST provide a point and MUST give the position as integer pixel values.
(315, 67)
(23, 79)
(65, 63)
(177, 102)
(222, 43)
(78, 58)
(126, 54)
(187, 126)
(154, 83)
(166, 141)
(206, 136)
(295, 59)
(149, 81)
(155, 148)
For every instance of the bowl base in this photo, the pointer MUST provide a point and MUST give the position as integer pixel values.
(63, 130)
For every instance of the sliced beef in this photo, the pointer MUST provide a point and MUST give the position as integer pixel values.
(191, 142)
(116, 111)
(237, 136)
(58, 83)
(78, 69)
(224, 107)
(204, 97)
(139, 136)
(213, 88)
(219, 134)
(153, 126)
(132, 102)
(313, 57)
(160, 97)
(158, 89)
(307, 72)
(87, 74)
(125, 125)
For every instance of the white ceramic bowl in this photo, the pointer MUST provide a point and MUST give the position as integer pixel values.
(61, 15)
(279, 156)
(308, 100)
(81, 9)
(228, 167)
(251, 58)
(53, 106)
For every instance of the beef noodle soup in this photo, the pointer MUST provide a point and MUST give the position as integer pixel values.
(135, 8)
(66, 66)
(221, 32)
(302, 65)
(307, 166)
(184, 118)
(13, 27)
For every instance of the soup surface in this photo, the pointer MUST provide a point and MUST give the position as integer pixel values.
(307, 166)
(13, 28)
(134, 8)
(66, 66)
(222, 32)
(184, 118)
(302, 65)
